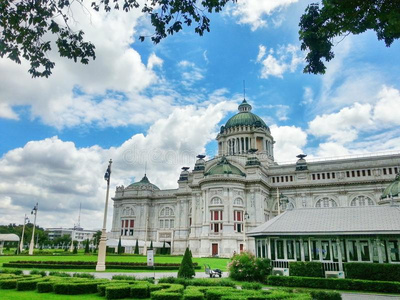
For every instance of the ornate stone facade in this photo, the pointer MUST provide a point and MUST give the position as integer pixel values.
(222, 198)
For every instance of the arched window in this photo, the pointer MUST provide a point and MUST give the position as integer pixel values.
(362, 201)
(166, 212)
(238, 202)
(216, 201)
(326, 202)
(167, 219)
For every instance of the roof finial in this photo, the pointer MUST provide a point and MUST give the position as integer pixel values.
(145, 168)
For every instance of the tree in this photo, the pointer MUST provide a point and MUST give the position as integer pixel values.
(136, 247)
(75, 251)
(186, 269)
(87, 249)
(119, 250)
(28, 27)
(96, 238)
(151, 245)
(336, 18)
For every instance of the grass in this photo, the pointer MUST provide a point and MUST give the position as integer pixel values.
(220, 263)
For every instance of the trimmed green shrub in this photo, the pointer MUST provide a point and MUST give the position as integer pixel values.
(123, 277)
(140, 290)
(246, 267)
(83, 275)
(186, 269)
(45, 286)
(335, 283)
(193, 294)
(216, 294)
(59, 274)
(27, 285)
(306, 269)
(76, 288)
(8, 284)
(118, 291)
(11, 271)
(198, 281)
(323, 295)
(101, 288)
(162, 295)
(380, 272)
(251, 286)
(38, 272)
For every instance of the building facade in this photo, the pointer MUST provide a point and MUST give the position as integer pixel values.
(221, 199)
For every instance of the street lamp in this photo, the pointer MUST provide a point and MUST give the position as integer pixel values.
(34, 211)
(245, 217)
(21, 244)
(101, 258)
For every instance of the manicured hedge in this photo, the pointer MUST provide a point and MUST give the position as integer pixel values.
(198, 281)
(140, 290)
(335, 283)
(374, 271)
(162, 295)
(118, 292)
(45, 286)
(323, 295)
(8, 284)
(77, 288)
(306, 269)
(193, 294)
(88, 267)
(27, 285)
(101, 288)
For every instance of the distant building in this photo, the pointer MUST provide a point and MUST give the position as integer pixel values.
(223, 198)
(77, 233)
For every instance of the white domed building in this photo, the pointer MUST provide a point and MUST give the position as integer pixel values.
(221, 199)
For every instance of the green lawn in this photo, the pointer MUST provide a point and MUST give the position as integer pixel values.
(219, 263)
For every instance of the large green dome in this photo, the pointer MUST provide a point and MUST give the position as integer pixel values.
(393, 189)
(224, 167)
(245, 118)
(143, 184)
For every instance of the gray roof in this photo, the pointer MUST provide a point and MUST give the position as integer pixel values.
(9, 237)
(331, 221)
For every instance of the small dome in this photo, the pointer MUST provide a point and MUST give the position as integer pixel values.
(245, 118)
(143, 184)
(224, 167)
(393, 189)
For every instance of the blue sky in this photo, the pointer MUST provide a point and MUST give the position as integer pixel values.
(163, 104)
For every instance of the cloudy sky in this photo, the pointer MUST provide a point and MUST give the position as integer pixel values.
(161, 105)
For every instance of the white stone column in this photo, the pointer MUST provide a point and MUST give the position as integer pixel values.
(339, 251)
(378, 245)
(269, 248)
(302, 256)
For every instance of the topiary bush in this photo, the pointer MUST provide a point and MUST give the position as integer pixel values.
(186, 269)
(59, 274)
(306, 269)
(8, 284)
(251, 286)
(193, 294)
(83, 275)
(123, 277)
(162, 295)
(27, 285)
(38, 272)
(246, 267)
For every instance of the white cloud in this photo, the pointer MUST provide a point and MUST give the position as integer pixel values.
(276, 63)
(290, 141)
(59, 175)
(76, 93)
(190, 73)
(7, 112)
(308, 95)
(387, 108)
(254, 12)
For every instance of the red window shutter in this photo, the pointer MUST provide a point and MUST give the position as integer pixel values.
(132, 222)
(239, 216)
(126, 223)
(212, 216)
(234, 226)
(234, 215)
(216, 215)
(122, 224)
(221, 215)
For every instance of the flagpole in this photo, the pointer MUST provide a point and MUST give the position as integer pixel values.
(21, 245)
(101, 258)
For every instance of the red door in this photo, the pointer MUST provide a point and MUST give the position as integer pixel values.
(214, 249)
(241, 247)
